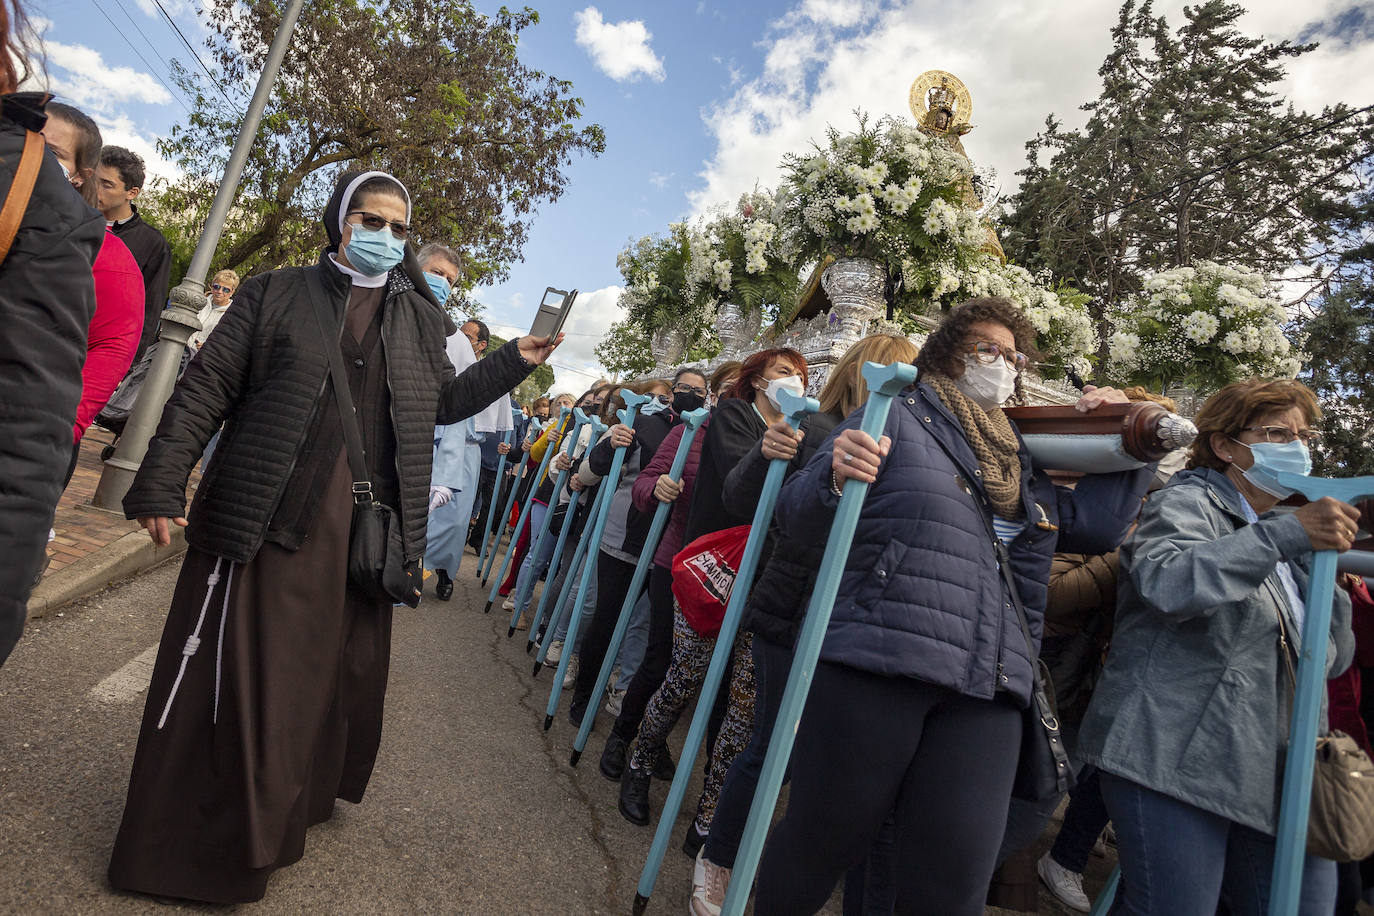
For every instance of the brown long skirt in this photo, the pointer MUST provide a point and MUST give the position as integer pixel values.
(264, 732)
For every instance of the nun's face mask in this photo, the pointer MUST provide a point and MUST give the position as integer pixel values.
(374, 234)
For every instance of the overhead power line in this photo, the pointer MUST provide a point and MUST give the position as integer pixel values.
(174, 94)
(167, 17)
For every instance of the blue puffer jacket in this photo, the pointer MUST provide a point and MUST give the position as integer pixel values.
(922, 595)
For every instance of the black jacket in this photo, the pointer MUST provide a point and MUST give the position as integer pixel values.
(154, 256)
(47, 298)
(787, 570)
(735, 428)
(263, 373)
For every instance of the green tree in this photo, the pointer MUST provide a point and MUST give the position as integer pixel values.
(431, 91)
(1340, 337)
(1188, 154)
(536, 384)
(625, 351)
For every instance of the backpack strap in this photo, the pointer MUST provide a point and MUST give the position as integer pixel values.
(21, 189)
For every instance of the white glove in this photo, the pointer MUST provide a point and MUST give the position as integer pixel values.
(438, 496)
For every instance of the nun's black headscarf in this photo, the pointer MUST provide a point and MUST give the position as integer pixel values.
(337, 209)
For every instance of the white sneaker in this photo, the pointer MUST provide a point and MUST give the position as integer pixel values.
(555, 653)
(509, 603)
(709, 883)
(571, 677)
(1065, 885)
(614, 699)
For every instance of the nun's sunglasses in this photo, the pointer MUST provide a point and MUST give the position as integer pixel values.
(376, 223)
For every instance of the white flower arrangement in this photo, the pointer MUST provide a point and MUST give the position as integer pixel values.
(740, 255)
(1202, 326)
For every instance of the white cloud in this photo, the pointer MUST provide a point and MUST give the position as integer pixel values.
(620, 49)
(120, 130)
(660, 180)
(81, 74)
(1021, 62)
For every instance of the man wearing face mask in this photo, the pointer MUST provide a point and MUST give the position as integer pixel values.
(926, 668)
(1189, 722)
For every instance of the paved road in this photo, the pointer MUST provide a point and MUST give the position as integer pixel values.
(472, 809)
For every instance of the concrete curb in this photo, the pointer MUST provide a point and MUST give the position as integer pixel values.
(131, 554)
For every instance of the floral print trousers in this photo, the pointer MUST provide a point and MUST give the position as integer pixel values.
(691, 657)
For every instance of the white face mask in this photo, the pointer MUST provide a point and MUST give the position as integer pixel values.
(792, 383)
(988, 386)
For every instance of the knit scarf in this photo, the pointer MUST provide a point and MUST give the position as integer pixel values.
(994, 444)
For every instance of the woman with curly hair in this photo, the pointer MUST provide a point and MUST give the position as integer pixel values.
(925, 669)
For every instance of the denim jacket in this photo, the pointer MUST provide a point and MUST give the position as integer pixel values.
(1195, 700)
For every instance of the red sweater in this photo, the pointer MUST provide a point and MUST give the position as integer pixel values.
(115, 329)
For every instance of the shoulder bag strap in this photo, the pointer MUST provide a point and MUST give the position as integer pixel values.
(21, 189)
(362, 486)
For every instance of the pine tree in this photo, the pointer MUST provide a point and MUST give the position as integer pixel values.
(1188, 154)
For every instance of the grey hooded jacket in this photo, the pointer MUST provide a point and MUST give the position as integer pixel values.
(1195, 699)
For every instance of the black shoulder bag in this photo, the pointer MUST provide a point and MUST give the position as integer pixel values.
(1043, 771)
(376, 553)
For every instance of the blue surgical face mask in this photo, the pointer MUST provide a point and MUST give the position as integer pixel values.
(439, 286)
(1271, 457)
(652, 407)
(374, 252)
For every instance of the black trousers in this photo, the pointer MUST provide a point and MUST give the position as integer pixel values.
(942, 763)
(658, 653)
(485, 483)
(613, 577)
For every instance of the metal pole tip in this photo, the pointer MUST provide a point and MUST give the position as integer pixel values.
(548, 722)
(576, 756)
(487, 609)
(510, 632)
(538, 666)
(641, 904)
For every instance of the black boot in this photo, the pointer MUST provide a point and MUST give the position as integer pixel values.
(693, 841)
(613, 757)
(443, 589)
(634, 796)
(664, 768)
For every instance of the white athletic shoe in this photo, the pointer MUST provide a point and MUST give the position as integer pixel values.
(570, 678)
(555, 653)
(709, 883)
(509, 603)
(614, 699)
(1065, 885)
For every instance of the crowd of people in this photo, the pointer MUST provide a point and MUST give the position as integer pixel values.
(1167, 600)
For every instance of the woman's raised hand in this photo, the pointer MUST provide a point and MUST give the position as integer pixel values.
(159, 529)
(666, 489)
(536, 350)
(780, 441)
(856, 455)
(621, 435)
(1330, 524)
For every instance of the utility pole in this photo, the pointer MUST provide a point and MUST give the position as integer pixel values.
(181, 318)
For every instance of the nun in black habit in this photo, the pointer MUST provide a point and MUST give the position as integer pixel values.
(266, 698)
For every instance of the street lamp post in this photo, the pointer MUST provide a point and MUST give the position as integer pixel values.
(181, 318)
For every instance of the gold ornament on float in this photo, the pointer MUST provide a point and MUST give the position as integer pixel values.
(941, 103)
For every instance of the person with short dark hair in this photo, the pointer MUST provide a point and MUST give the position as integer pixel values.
(47, 298)
(118, 181)
(115, 329)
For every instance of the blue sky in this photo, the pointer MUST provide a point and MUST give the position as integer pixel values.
(700, 99)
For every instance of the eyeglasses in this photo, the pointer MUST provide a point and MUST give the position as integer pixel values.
(1284, 435)
(374, 222)
(683, 388)
(987, 353)
(215, 287)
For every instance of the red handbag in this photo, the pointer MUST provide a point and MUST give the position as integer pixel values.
(704, 574)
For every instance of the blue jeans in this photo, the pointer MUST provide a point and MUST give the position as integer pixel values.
(564, 614)
(635, 642)
(533, 566)
(1181, 860)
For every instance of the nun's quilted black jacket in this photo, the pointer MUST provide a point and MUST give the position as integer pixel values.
(264, 370)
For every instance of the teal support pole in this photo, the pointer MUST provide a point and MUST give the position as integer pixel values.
(1291, 848)
(491, 505)
(522, 593)
(1103, 904)
(524, 514)
(536, 631)
(794, 409)
(884, 384)
(590, 541)
(692, 420)
(500, 528)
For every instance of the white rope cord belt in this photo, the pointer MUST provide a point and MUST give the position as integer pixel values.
(193, 641)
